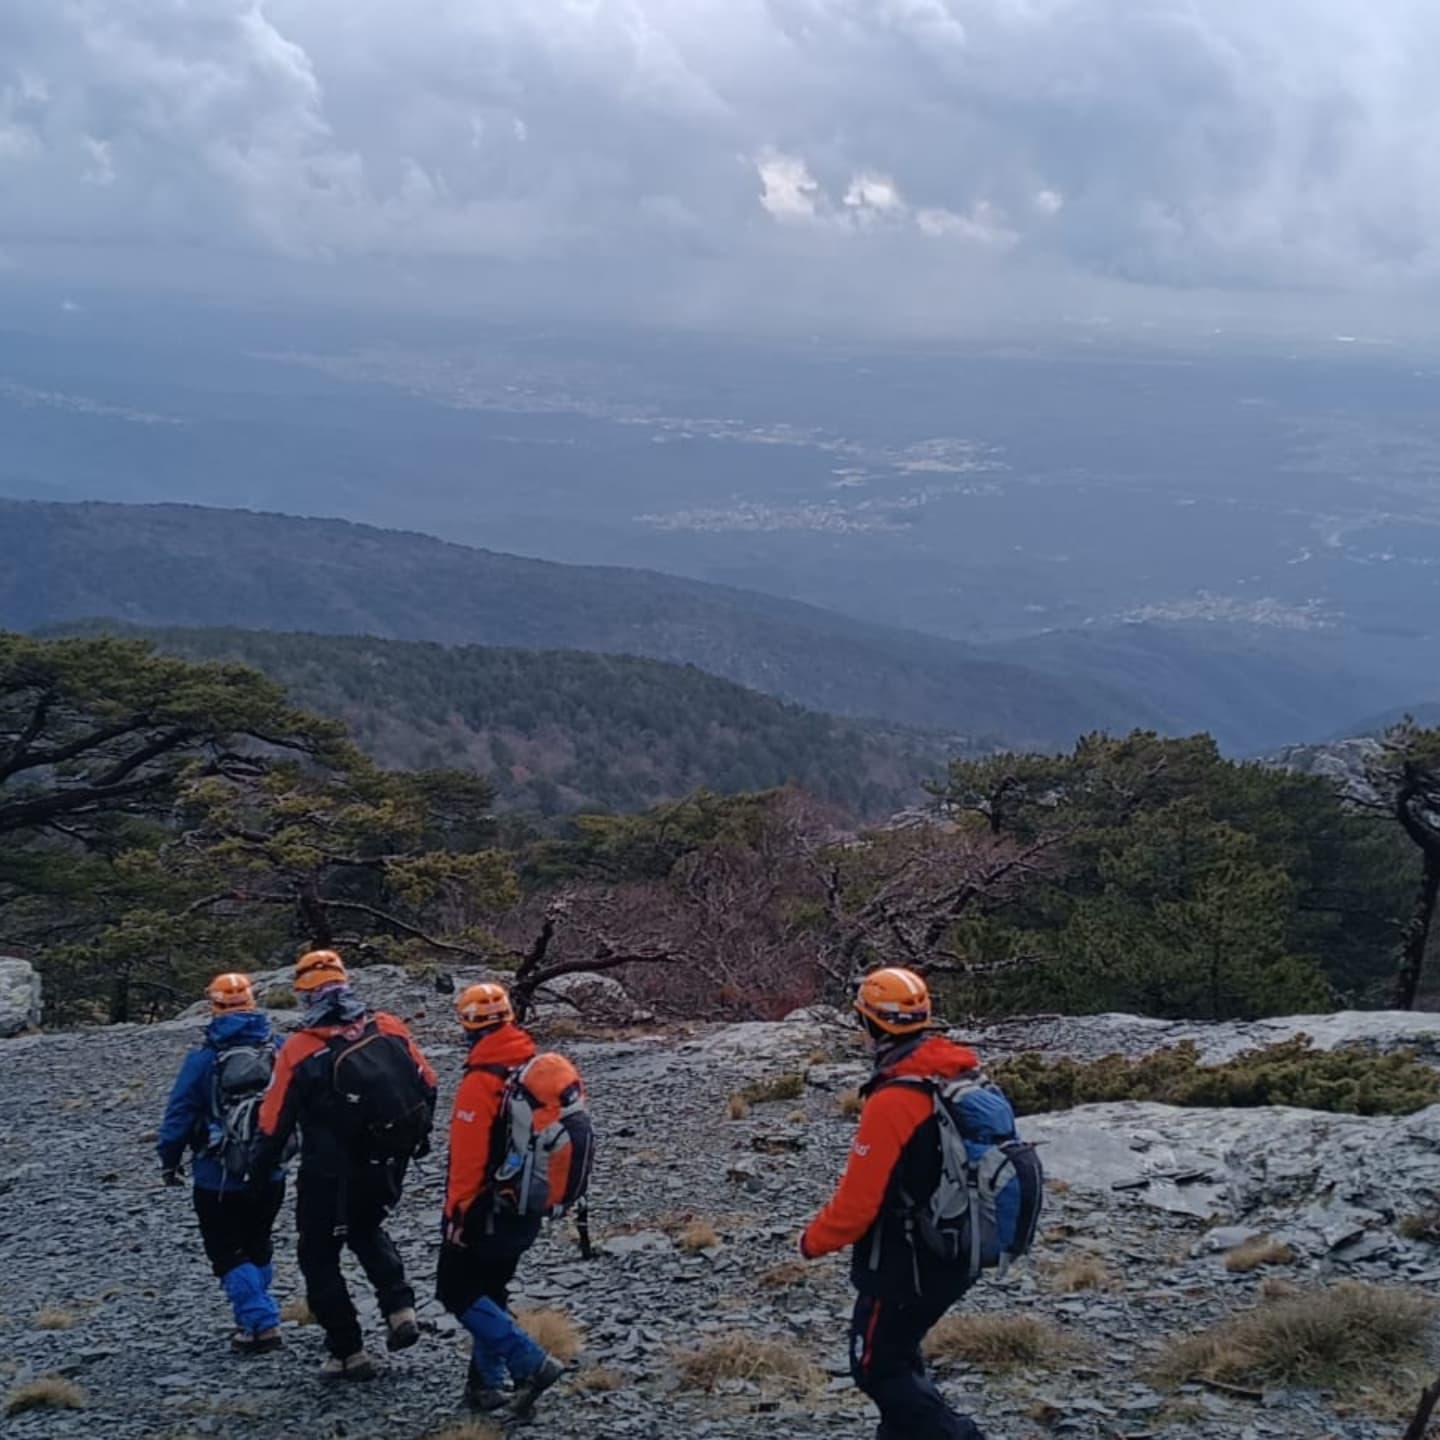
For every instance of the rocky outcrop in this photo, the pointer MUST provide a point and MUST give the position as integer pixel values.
(1091, 1037)
(19, 996)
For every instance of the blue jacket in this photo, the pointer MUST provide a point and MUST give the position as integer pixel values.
(189, 1110)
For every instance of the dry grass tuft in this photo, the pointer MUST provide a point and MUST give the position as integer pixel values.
(1080, 1272)
(1277, 1287)
(851, 1103)
(739, 1107)
(1254, 1254)
(281, 997)
(49, 1392)
(553, 1331)
(776, 1088)
(1349, 1334)
(748, 1357)
(1424, 1226)
(297, 1310)
(469, 1430)
(698, 1235)
(784, 1275)
(998, 1342)
(599, 1379)
(55, 1317)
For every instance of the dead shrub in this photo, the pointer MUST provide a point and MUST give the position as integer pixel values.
(748, 1357)
(1080, 1272)
(851, 1103)
(1256, 1253)
(55, 1317)
(698, 1235)
(1348, 1334)
(553, 1331)
(49, 1392)
(998, 1342)
(739, 1107)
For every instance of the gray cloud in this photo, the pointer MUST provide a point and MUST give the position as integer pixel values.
(876, 149)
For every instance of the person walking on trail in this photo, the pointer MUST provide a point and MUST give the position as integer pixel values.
(211, 1111)
(483, 1238)
(924, 1212)
(363, 1097)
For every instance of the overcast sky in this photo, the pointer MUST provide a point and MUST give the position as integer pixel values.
(895, 158)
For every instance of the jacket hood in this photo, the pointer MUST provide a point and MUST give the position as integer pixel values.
(931, 1055)
(250, 1026)
(507, 1045)
(334, 1005)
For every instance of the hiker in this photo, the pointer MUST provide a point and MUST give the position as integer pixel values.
(363, 1097)
(908, 1265)
(211, 1111)
(496, 1200)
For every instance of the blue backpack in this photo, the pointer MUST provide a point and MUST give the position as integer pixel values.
(985, 1209)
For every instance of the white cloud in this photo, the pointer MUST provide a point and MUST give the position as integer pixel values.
(788, 190)
(1170, 144)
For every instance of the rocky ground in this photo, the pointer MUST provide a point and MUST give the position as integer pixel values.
(1154, 1196)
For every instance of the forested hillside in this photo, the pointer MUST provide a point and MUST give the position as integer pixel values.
(183, 565)
(162, 818)
(565, 730)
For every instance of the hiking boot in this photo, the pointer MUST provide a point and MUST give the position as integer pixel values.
(530, 1389)
(258, 1342)
(403, 1330)
(358, 1366)
(484, 1397)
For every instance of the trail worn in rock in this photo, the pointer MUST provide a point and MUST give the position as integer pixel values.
(87, 1229)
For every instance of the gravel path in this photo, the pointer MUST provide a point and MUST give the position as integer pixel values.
(86, 1228)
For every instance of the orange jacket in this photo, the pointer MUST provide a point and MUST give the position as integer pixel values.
(476, 1109)
(892, 1115)
(301, 1087)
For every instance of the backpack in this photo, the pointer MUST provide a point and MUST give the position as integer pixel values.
(985, 1209)
(544, 1142)
(382, 1108)
(237, 1089)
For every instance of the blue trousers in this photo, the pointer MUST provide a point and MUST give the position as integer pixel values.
(235, 1226)
(886, 1364)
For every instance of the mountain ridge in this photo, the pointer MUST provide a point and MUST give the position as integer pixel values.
(194, 566)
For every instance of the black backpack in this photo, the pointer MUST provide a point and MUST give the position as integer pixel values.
(237, 1089)
(381, 1105)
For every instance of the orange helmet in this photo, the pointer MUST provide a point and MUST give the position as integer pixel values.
(895, 1000)
(483, 1006)
(319, 967)
(230, 991)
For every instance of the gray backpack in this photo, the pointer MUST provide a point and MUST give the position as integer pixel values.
(242, 1075)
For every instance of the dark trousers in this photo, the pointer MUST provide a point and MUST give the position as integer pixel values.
(235, 1225)
(886, 1364)
(334, 1212)
(467, 1275)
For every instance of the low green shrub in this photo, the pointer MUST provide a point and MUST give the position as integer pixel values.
(1348, 1080)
